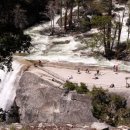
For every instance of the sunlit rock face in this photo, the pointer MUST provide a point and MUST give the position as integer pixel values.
(41, 101)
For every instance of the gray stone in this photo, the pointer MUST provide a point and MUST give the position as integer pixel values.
(70, 125)
(17, 126)
(99, 126)
(39, 100)
(123, 127)
(40, 125)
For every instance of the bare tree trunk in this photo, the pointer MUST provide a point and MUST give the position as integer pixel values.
(109, 26)
(61, 13)
(51, 8)
(128, 33)
(51, 26)
(53, 23)
(128, 37)
(104, 36)
(120, 27)
(65, 19)
(114, 36)
(71, 16)
(78, 12)
(119, 31)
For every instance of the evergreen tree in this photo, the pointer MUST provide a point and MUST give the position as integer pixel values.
(12, 38)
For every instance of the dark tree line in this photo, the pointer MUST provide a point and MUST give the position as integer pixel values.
(13, 20)
(15, 16)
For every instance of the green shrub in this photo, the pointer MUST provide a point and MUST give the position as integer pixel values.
(123, 116)
(82, 89)
(118, 101)
(71, 86)
(85, 24)
(110, 108)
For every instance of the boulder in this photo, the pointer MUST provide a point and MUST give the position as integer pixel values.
(123, 127)
(99, 126)
(41, 101)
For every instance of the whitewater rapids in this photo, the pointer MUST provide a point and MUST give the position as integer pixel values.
(45, 49)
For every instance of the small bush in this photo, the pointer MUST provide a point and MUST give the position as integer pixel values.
(82, 89)
(71, 86)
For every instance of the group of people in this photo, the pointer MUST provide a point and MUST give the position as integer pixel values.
(96, 75)
(87, 71)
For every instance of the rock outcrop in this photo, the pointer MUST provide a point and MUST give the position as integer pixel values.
(42, 101)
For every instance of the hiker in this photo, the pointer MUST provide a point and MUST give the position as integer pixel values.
(53, 79)
(40, 63)
(35, 65)
(79, 71)
(127, 85)
(97, 72)
(112, 86)
(96, 77)
(114, 68)
(87, 70)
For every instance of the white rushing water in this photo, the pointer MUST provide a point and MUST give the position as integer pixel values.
(9, 81)
(71, 51)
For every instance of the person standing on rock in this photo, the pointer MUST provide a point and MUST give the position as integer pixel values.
(40, 63)
(87, 70)
(79, 71)
(97, 72)
(116, 69)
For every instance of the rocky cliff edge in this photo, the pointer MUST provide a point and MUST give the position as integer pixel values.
(42, 101)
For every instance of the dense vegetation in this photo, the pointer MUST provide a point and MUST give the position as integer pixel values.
(82, 89)
(110, 108)
(107, 107)
(10, 116)
(95, 14)
(15, 16)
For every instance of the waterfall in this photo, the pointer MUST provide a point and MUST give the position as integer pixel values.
(8, 85)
